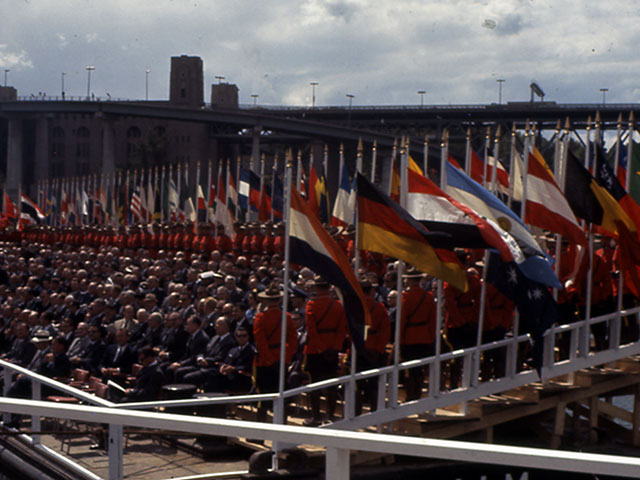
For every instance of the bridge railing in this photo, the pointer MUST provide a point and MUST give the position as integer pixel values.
(566, 349)
(338, 447)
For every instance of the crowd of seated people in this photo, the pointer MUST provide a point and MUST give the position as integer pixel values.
(187, 313)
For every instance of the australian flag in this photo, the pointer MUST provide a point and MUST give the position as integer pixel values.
(537, 307)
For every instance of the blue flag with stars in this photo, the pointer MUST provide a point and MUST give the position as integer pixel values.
(537, 307)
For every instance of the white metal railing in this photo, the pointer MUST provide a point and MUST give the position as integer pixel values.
(389, 408)
(338, 444)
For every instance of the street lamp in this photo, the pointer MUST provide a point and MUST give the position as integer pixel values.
(62, 84)
(500, 82)
(90, 68)
(313, 93)
(350, 97)
(6, 71)
(146, 84)
(604, 93)
(255, 98)
(219, 78)
(421, 93)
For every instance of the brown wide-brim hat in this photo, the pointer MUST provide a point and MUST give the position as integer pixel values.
(318, 281)
(271, 293)
(412, 274)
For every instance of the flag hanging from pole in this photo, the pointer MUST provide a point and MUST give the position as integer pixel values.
(313, 247)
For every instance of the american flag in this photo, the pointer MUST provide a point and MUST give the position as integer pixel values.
(136, 204)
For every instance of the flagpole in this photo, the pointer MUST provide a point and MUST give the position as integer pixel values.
(262, 185)
(395, 378)
(299, 169)
(274, 172)
(584, 347)
(487, 143)
(425, 158)
(279, 418)
(237, 206)
(374, 154)
(394, 152)
(325, 162)
(496, 153)
(630, 150)
(557, 166)
(525, 170)
(512, 165)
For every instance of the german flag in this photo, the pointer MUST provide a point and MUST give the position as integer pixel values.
(385, 227)
(591, 201)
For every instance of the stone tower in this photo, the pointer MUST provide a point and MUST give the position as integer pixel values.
(187, 84)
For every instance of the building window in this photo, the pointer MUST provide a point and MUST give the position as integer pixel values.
(83, 132)
(134, 132)
(57, 149)
(83, 150)
(58, 132)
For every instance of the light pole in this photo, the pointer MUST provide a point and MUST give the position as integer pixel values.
(90, 68)
(500, 82)
(62, 84)
(421, 93)
(313, 93)
(604, 93)
(255, 98)
(350, 97)
(6, 71)
(146, 84)
(219, 78)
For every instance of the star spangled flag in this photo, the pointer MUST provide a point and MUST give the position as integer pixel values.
(546, 206)
(385, 227)
(343, 211)
(136, 206)
(30, 213)
(440, 212)
(311, 246)
(468, 192)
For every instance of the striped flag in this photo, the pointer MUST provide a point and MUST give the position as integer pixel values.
(313, 247)
(30, 212)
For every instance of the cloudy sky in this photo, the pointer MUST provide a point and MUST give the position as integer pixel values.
(381, 51)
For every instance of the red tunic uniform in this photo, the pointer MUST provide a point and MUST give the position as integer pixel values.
(266, 332)
(418, 322)
(326, 325)
(378, 328)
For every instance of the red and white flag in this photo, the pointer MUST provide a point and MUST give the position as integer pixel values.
(546, 205)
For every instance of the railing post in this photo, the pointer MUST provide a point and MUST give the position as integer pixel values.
(115, 452)
(337, 464)
(548, 358)
(36, 388)
(6, 417)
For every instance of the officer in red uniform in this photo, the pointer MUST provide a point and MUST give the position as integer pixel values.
(498, 319)
(377, 335)
(417, 329)
(461, 320)
(326, 332)
(223, 241)
(267, 335)
(268, 242)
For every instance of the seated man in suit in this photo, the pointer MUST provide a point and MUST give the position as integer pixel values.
(196, 345)
(214, 355)
(149, 379)
(234, 373)
(118, 357)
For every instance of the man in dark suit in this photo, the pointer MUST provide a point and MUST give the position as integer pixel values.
(149, 379)
(22, 349)
(91, 357)
(196, 345)
(215, 353)
(49, 360)
(234, 373)
(174, 340)
(118, 357)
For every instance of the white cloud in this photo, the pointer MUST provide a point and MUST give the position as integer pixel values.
(382, 51)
